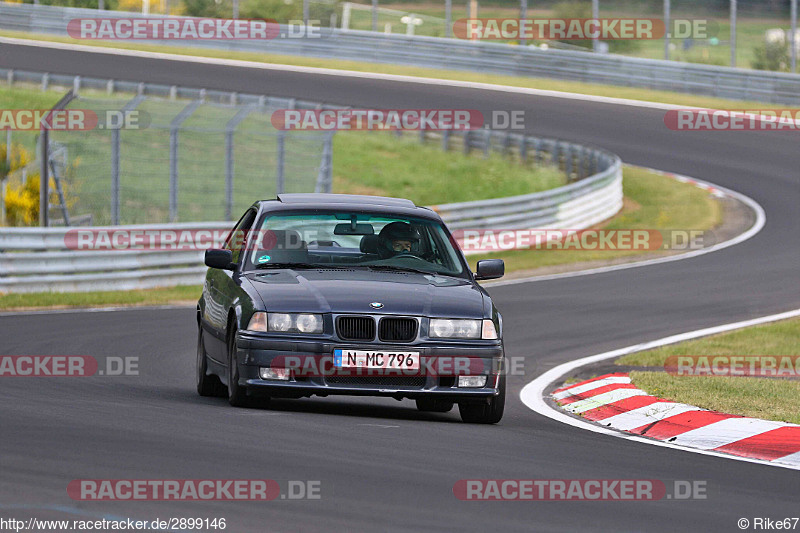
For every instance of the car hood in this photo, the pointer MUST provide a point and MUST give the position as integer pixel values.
(352, 291)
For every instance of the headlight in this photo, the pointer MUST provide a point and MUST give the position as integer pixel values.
(286, 322)
(455, 329)
(258, 322)
(307, 323)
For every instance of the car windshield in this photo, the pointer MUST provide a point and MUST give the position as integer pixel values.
(354, 240)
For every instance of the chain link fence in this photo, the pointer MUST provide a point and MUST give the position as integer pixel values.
(152, 159)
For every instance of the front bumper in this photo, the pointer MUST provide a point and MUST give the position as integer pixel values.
(256, 351)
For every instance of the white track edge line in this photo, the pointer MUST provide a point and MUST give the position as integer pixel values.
(533, 394)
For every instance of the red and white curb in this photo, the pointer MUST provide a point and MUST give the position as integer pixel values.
(536, 396)
(613, 401)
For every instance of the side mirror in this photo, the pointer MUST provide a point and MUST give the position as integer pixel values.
(222, 259)
(490, 269)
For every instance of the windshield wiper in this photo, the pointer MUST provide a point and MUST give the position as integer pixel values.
(399, 269)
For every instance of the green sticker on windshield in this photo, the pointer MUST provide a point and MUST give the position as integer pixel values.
(264, 259)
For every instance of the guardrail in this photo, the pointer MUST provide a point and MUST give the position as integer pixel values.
(498, 58)
(39, 259)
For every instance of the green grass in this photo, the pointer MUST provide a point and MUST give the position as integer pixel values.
(632, 93)
(770, 399)
(780, 338)
(171, 295)
(386, 165)
(652, 202)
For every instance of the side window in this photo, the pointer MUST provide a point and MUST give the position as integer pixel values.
(238, 238)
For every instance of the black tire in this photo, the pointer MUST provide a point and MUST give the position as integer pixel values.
(237, 395)
(485, 413)
(434, 405)
(207, 385)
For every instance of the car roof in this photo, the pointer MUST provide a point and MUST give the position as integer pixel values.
(354, 199)
(361, 203)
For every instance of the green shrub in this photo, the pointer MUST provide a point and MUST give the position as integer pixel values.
(582, 9)
(771, 56)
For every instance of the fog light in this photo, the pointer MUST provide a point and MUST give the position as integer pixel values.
(472, 381)
(281, 374)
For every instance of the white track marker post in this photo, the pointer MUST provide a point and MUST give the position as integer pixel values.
(595, 16)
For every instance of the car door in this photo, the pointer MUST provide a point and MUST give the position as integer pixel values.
(222, 289)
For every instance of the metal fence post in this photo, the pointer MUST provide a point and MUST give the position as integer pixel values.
(281, 147)
(448, 18)
(230, 130)
(329, 173)
(4, 181)
(325, 176)
(115, 153)
(44, 177)
(173, 174)
(174, 127)
(44, 182)
(229, 175)
(568, 156)
(115, 176)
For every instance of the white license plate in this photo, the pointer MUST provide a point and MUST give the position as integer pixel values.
(375, 359)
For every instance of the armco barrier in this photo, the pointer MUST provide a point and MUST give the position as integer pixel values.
(483, 57)
(37, 259)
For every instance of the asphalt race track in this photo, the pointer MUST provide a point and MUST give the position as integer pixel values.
(383, 466)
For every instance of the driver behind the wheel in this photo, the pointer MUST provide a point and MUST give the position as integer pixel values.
(399, 238)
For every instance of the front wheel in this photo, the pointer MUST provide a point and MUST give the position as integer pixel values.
(207, 385)
(237, 395)
(485, 413)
